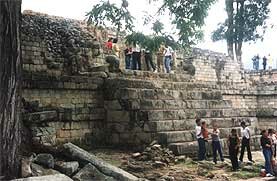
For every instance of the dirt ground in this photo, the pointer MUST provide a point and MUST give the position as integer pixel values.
(185, 169)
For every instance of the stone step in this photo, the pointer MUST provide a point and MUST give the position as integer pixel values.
(189, 124)
(189, 136)
(148, 75)
(147, 104)
(179, 114)
(191, 148)
(159, 84)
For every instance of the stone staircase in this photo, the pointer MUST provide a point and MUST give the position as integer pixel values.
(145, 106)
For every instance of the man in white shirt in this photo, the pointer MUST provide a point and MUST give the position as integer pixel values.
(200, 140)
(245, 133)
(168, 54)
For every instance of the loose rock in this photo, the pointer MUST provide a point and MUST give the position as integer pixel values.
(89, 172)
(67, 168)
(45, 159)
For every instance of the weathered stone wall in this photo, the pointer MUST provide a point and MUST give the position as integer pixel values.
(63, 99)
(69, 96)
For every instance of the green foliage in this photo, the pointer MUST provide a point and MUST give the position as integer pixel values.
(152, 43)
(158, 27)
(246, 22)
(106, 12)
(253, 16)
(188, 18)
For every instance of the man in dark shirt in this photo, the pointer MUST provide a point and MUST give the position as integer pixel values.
(266, 145)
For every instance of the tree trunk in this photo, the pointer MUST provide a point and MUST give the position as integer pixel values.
(230, 30)
(10, 74)
(240, 30)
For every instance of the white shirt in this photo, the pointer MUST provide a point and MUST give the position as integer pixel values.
(198, 132)
(168, 51)
(245, 132)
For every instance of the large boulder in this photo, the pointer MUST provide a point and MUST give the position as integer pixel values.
(89, 172)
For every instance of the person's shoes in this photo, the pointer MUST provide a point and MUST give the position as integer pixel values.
(269, 175)
(252, 161)
(155, 71)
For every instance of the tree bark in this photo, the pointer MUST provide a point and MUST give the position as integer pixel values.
(10, 74)
(240, 30)
(230, 30)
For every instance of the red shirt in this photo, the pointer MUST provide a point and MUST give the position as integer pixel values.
(109, 45)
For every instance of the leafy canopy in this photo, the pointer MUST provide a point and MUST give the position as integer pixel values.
(188, 17)
(249, 21)
(152, 43)
(106, 12)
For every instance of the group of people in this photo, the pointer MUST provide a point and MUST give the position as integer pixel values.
(133, 56)
(268, 144)
(266, 60)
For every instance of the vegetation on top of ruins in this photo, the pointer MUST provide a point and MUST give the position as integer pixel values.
(106, 12)
(246, 22)
(188, 17)
(153, 42)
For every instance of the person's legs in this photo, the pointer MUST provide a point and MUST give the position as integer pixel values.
(232, 157)
(249, 155)
(167, 64)
(202, 149)
(152, 63)
(147, 62)
(267, 157)
(220, 151)
(134, 61)
(214, 151)
(139, 60)
(199, 149)
(243, 145)
(236, 163)
(127, 62)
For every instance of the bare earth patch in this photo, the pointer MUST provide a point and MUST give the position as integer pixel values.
(185, 169)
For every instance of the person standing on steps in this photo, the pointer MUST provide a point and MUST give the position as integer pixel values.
(136, 59)
(149, 60)
(216, 144)
(168, 54)
(200, 140)
(264, 62)
(233, 144)
(245, 142)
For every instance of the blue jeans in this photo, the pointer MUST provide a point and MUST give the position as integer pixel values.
(267, 156)
(167, 62)
(128, 61)
(201, 149)
(217, 148)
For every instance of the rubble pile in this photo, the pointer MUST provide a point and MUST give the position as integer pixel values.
(73, 163)
(156, 154)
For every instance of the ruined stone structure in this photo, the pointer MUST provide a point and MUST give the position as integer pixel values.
(68, 98)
